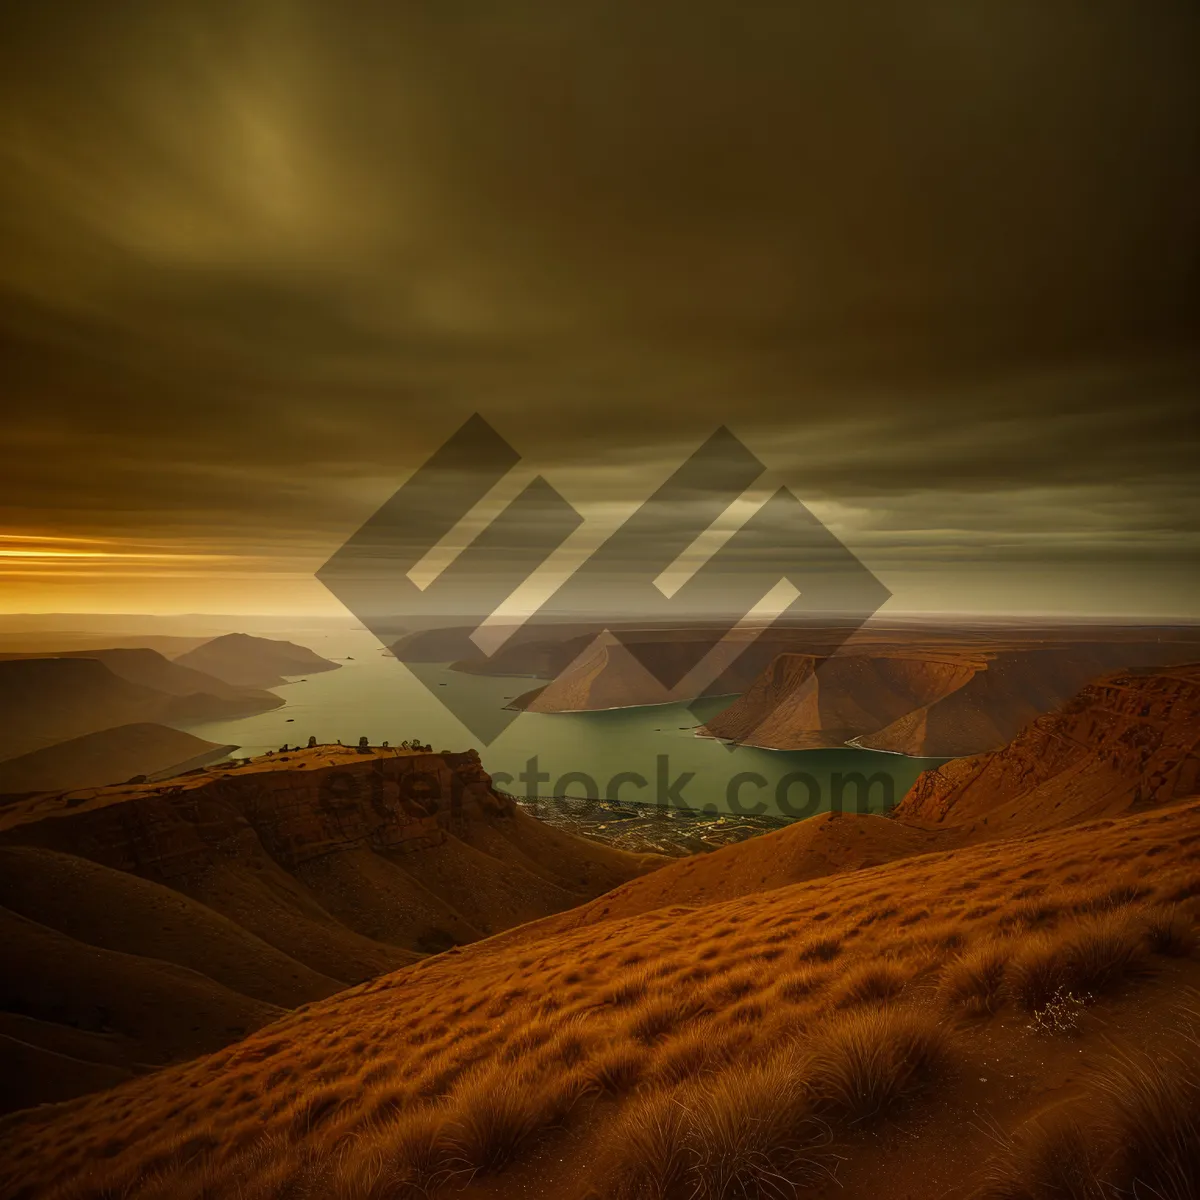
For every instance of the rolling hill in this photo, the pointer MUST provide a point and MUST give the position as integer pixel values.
(221, 898)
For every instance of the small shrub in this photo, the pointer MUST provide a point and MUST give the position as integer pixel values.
(1061, 1013)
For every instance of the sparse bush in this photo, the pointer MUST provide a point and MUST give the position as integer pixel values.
(1062, 1013)
(864, 1063)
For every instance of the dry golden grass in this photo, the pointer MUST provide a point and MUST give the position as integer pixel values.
(863, 1064)
(1134, 1132)
(665, 1043)
(1086, 958)
(976, 980)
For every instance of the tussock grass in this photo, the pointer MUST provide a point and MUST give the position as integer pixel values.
(1048, 1159)
(863, 1064)
(749, 1131)
(656, 1019)
(651, 1156)
(494, 1117)
(1153, 1120)
(799, 985)
(975, 980)
(1089, 958)
(756, 1133)
(1135, 1132)
(693, 1053)
(1172, 934)
(618, 1070)
(871, 983)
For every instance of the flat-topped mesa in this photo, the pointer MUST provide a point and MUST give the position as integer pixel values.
(297, 806)
(1128, 741)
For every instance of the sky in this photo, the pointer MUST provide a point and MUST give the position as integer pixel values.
(936, 263)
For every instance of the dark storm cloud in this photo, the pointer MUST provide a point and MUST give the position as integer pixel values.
(259, 258)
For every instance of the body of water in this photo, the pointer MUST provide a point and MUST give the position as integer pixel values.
(636, 755)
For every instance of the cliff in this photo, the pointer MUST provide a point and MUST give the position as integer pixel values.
(933, 702)
(802, 702)
(1124, 742)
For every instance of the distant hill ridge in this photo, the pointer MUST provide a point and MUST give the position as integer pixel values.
(47, 700)
(247, 661)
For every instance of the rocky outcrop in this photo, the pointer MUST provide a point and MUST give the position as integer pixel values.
(1125, 742)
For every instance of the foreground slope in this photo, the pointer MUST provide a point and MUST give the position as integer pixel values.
(469, 1065)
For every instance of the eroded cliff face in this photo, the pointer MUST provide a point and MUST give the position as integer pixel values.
(803, 702)
(1130, 740)
(295, 807)
(923, 702)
